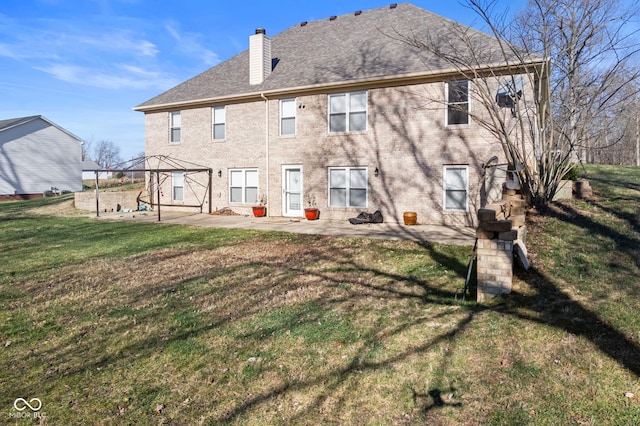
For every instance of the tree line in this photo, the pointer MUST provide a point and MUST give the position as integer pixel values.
(580, 63)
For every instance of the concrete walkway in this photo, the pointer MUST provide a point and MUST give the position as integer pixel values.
(387, 230)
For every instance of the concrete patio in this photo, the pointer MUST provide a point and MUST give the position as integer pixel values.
(386, 230)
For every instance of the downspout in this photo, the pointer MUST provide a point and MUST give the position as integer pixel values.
(266, 138)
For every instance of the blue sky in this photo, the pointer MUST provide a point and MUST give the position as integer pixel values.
(85, 64)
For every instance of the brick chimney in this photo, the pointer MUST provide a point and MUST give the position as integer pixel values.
(259, 57)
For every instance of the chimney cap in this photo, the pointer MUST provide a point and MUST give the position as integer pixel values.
(261, 31)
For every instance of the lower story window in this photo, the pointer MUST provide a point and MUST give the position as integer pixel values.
(178, 186)
(456, 188)
(243, 186)
(348, 187)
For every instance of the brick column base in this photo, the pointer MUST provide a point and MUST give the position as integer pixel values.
(495, 268)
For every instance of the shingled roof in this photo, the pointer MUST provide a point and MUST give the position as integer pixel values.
(12, 122)
(363, 46)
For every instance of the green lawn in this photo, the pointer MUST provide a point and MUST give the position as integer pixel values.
(131, 323)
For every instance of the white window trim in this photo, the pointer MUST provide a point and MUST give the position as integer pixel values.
(295, 117)
(348, 204)
(446, 104)
(172, 126)
(348, 112)
(244, 186)
(213, 123)
(174, 186)
(444, 188)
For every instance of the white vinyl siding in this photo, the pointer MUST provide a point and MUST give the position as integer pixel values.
(219, 119)
(457, 98)
(348, 112)
(288, 117)
(347, 187)
(178, 186)
(456, 188)
(243, 186)
(37, 156)
(175, 124)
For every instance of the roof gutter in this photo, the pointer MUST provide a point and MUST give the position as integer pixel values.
(356, 83)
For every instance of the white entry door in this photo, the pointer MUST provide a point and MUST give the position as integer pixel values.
(292, 191)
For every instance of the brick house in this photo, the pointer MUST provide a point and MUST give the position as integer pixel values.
(339, 113)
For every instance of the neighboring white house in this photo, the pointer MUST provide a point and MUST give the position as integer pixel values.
(89, 168)
(37, 156)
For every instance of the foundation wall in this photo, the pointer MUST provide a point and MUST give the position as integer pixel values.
(108, 202)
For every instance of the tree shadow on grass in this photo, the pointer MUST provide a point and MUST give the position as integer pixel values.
(551, 306)
(360, 364)
(633, 219)
(625, 242)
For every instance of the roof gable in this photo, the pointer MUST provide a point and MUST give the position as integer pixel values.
(14, 122)
(90, 165)
(363, 46)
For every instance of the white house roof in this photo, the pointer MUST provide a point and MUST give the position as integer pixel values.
(90, 165)
(15, 122)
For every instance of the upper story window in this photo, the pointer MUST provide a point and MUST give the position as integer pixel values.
(218, 118)
(288, 117)
(457, 98)
(348, 187)
(243, 186)
(178, 186)
(456, 188)
(175, 124)
(348, 112)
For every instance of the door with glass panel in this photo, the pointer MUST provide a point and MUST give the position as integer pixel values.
(292, 191)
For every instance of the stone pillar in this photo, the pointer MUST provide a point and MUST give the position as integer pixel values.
(495, 267)
(501, 227)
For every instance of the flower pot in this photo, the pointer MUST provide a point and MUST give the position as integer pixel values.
(410, 218)
(311, 213)
(259, 211)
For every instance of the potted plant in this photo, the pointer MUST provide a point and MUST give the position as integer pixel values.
(311, 212)
(261, 209)
(410, 218)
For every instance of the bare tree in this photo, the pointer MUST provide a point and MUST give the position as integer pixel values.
(546, 89)
(107, 154)
(591, 47)
(510, 92)
(86, 150)
(637, 132)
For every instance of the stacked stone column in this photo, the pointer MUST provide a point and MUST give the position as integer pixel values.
(501, 227)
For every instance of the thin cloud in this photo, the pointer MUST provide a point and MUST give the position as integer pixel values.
(118, 78)
(116, 41)
(85, 53)
(6, 50)
(190, 44)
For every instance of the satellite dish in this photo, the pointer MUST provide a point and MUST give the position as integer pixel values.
(513, 181)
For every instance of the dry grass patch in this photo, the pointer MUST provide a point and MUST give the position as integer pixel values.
(260, 331)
